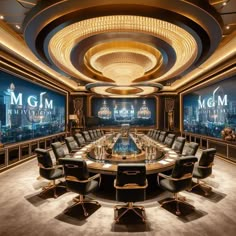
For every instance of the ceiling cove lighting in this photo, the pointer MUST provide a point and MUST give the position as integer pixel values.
(63, 42)
(122, 44)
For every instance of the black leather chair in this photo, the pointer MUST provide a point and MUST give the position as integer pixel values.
(154, 134)
(178, 145)
(92, 135)
(191, 149)
(157, 135)
(179, 180)
(169, 140)
(87, 137)
(79, 138)
(71, 144)
(149, 133)
(79, 181)
(49, 171)
(162, 136)
(99, 133)
(59, 150)
(203, 169)
(130, 185)
(95, 134)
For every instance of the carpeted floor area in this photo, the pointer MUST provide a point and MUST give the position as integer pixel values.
(24, 212)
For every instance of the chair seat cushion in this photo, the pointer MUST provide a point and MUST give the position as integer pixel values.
(201, 173)
(55, 174)
(174, 186)
(82, 188)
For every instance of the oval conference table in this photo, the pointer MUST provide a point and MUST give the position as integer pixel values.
(164, 160)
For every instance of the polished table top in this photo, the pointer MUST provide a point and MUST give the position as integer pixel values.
(109, 165)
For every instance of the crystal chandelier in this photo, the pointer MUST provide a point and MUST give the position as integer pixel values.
(104, 112)
(144, 112)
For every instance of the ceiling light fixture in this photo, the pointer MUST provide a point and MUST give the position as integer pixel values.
(63, 42)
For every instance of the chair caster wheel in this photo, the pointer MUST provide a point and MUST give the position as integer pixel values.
(86, 214)
(178, 213)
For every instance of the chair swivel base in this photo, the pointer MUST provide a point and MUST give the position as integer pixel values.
(52, 185)
(178, 200)
(81, 201)
(128, 207)
(206, 189)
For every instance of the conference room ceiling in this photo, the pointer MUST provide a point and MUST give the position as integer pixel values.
(120, 48)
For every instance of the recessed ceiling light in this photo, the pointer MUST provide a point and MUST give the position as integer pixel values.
(17, 26)
(224, 3)
(227, 27)
(2, 17)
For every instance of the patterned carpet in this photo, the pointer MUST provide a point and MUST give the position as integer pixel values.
(24, 212)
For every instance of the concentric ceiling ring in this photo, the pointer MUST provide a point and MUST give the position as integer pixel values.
(63, 42)
(66, 34)
(137, 89)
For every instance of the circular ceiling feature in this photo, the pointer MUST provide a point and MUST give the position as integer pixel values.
(123, 73)
(124, 61)
(63, 42)
(122, 90)
(123, 42)
(137, 89)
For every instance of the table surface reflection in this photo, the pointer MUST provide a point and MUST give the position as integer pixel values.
(165, 161)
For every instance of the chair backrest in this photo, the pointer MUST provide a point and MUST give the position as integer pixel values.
(151, 132)
(58, 150)
(178, 145)
(191, 149)
(207, 157)
(183, 171)
(157, 135)
(183, 166)
(131, 173)
(79, 139)
(71, 143)
(87, 136)
(99, 133)
(95, 134)
(154, 134)
(169, 140)
(76, 168)
(44, 162)
(92, 134)
(76, 174)
(43, 157)
(162, 136)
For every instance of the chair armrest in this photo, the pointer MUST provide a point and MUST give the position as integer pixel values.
(164, 176)
(131, 185)
(206, 167)
(161, 175)
(73, 178)
(50, 168)
(186, 176)
(94, 177)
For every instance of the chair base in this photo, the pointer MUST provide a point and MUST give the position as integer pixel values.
(81, 201)
(52, 185)
(178, 200)
(206, 189)
(128, 207)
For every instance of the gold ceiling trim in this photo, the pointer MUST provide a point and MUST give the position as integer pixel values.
(121, 90)
(63, 42)
(125, 60)
(106, 91)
